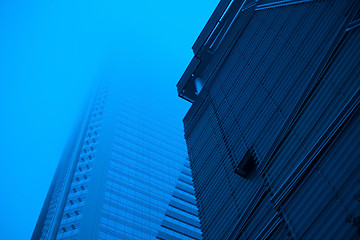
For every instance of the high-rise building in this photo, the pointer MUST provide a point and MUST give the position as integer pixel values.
(124, 173)
(273, 130)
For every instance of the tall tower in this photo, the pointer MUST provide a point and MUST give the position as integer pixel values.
(124, 173)
(273, 131)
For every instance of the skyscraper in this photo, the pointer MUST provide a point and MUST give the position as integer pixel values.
(273, 130)
(124, 173)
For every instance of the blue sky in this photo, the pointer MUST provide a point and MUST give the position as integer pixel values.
(50, 52)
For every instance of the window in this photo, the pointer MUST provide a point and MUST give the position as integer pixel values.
(247, 164)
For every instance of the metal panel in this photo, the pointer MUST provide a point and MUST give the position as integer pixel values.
(279, 88)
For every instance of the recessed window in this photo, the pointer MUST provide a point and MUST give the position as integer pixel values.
(68, 215)
(79, 199)
(247, 164)
(71, 202)
(64, 229)
(73, 226)
(82, 187)
(76, 212)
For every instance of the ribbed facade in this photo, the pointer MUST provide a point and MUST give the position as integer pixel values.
(122, 172)
(181, 218)
(273, 135)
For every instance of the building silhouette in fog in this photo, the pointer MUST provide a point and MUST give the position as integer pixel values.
(124, 173)
(273, 130)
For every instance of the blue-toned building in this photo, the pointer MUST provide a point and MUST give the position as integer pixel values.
(273, 130)
(124, 173)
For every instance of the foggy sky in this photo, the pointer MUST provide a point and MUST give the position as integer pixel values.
(50, 53)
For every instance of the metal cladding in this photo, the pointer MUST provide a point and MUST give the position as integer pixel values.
(273, 136)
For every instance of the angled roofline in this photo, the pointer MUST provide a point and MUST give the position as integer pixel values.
(212, 41)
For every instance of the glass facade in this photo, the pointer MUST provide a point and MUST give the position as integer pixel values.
(181, 218)
(125, 176)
